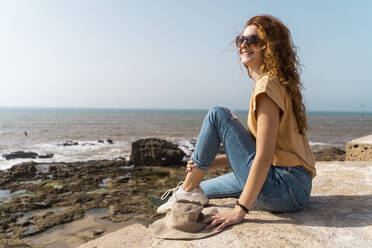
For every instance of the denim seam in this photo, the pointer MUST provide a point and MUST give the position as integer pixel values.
(223, 194)
(215, 129)
(237, 178)
(198, 165)
(229, 120)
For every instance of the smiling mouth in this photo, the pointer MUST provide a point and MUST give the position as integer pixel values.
(247, 53)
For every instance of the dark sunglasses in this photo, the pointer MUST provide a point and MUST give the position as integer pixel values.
(250, 40)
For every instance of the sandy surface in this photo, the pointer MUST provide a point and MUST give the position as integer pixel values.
(339, 215)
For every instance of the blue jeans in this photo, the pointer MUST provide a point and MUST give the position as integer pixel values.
(286, 189)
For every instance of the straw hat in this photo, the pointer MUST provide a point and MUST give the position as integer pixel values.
(183, 222)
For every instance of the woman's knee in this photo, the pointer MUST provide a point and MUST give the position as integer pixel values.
(216, 109)
(218, 112)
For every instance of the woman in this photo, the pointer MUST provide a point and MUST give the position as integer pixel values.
(272, 162)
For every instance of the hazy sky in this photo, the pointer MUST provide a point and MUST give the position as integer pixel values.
(174, 54)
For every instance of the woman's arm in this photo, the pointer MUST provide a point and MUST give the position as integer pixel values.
(220, 161)
(267, 130)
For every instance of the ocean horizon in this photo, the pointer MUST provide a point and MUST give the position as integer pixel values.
(44, 130)
(167, 110)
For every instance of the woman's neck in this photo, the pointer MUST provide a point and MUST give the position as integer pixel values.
(255, 73)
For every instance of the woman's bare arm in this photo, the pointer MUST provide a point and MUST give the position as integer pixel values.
(267, 130)
(220, 161)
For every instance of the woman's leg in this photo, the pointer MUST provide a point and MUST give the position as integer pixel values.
(221, 125)
(285, 188)
(193, 179)
(223, 186)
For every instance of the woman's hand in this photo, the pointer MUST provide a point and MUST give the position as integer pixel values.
(231, 217)
(190, 165)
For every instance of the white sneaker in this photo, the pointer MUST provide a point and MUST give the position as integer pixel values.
(197, 195)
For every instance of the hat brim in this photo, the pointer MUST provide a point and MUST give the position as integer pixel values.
(161, 230)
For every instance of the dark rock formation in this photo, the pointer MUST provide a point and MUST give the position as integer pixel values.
(110, 141)
(330, 154)
(88, 144)
(48, 155)
(69, 143)
(20, 154)
(155, 151)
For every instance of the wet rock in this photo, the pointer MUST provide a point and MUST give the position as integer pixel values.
(23, 171)
(117, 181)
(54, 185)
(24, 222)
(79, 197)
(41, 205)
(98, 230)
(113, 210)
(193, 141)
(120, 158)
(69, 143)
(91, 234)
(48, 155)
(60, 171)
(10, 242)
(88, 144)
(155, 151)
(4, 226)
(49, 219)
(20, 154)
(330, 154)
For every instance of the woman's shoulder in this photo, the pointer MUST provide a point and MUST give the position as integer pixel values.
(269, 83)
(271, 86)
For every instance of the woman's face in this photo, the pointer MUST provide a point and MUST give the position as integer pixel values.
(250, 56)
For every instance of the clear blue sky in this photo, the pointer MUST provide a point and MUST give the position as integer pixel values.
(174, 54)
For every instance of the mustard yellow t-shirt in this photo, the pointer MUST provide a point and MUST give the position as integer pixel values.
(292, 148)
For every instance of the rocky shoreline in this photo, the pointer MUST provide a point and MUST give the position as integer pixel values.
(74, 188)
(37, 196)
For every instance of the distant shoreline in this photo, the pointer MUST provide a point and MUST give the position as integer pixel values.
(160, 110)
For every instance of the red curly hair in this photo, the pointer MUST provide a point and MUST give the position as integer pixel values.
(280, 59)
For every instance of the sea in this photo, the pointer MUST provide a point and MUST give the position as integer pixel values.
(44, 130)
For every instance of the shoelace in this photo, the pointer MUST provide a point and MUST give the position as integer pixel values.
(171, 190)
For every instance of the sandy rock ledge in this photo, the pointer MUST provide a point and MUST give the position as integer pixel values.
(339, 215)
(359, 149)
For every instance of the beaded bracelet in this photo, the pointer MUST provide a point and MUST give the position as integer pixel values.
(240, 205)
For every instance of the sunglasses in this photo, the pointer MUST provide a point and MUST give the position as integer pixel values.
(250, 40)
